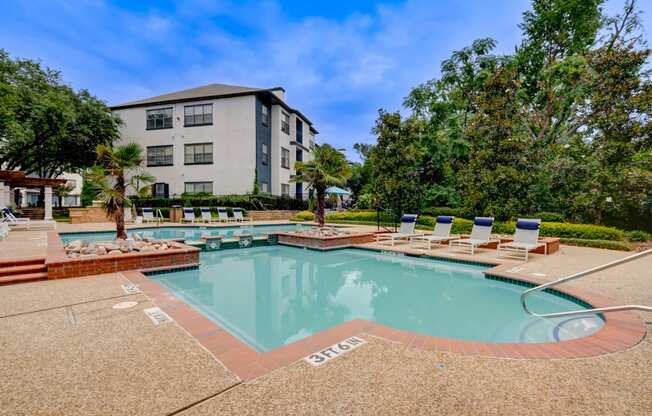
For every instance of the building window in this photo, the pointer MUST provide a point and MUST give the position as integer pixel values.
(285, 122)
(264, 187)
(198, 187)
(159, 156)
(265, 115)
(285, 158)
(299, 131)
(198, 154)
(285, 189)
(299, 155)
(160, 190)
(265, 154)
(161, 118)
(198, 115)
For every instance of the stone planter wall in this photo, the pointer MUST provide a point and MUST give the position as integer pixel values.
(325, 242)
(86, 215)
(60, 266)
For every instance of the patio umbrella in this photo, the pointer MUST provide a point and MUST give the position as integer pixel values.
(339, 192)
(334, 190)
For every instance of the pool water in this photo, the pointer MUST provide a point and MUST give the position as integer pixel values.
(186, 233)
(275, 295)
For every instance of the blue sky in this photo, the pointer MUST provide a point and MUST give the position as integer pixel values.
(339, 61)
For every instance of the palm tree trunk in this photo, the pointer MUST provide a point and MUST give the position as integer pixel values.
(121, 234)
(320, 206)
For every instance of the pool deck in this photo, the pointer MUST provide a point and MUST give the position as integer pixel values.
(67, 351)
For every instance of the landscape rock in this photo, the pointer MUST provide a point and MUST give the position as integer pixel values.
(85, 249)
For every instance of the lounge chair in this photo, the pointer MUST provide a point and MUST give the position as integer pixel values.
(408, 222)
(18, 223)
(480, 235)
(526, 239)
(10, 218)
(206, 215)
(441, 233)
(148, 215)
(223, 215)
(188, 215)
(238, 217)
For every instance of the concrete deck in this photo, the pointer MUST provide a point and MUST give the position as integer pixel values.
(66, 351)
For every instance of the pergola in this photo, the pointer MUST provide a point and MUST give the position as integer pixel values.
(11, 179)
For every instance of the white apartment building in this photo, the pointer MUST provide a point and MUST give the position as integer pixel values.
(217, 138)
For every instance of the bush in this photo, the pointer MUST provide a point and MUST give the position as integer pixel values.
(550, 216)
(606, 244)
(464, 226)
(303, 216)
(248, 202)
(637, 235)
(436, 211)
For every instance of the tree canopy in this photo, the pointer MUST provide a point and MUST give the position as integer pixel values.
(46, 127)
(560, 125)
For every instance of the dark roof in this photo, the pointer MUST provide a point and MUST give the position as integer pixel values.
(17, 178)
(211, 91)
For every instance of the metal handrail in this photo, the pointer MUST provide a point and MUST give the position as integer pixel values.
(528, 292)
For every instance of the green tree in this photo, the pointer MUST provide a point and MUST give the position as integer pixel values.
(328, 167)
(395, 159)
(117, 171)
(46, 128)
(497, 179)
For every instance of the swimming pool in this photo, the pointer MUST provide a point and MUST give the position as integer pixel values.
(180, 232)
(275, 295)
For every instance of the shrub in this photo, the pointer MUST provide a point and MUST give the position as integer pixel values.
(637, 235)
(248, 202)
(464, 226)
(606, 244)
(303, 216)
(436, 211)
(550, 216)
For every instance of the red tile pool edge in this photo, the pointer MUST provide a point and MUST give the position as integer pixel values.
(621, 331)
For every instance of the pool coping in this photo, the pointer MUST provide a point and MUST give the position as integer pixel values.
(621, 331)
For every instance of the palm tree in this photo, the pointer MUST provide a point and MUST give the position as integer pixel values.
(110, 176)
(61, 191)
(328, 168)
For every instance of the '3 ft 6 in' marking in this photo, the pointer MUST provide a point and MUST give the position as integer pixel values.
(335, 350)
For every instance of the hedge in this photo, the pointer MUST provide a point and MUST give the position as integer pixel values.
(303, 216)
(464, 226)
(606, 244)
(248, 202)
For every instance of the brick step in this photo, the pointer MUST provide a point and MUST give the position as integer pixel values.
(24, 269)
(23, 278)
(21, 261)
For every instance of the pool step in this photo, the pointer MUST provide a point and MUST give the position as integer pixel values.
(23, 270)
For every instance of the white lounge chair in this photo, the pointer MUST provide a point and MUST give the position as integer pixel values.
(18, 223)
(408, 222)
(526, 239)
(148, 215)
(206, 215)
(223, 215)
(441, 233)
(10, 218)
(188, 215)
(238, 217)
(480, 234)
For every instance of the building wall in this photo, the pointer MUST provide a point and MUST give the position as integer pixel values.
(233, 134)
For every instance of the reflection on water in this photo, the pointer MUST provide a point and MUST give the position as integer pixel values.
(271, 296)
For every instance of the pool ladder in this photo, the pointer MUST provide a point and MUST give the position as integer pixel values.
(528, 292)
